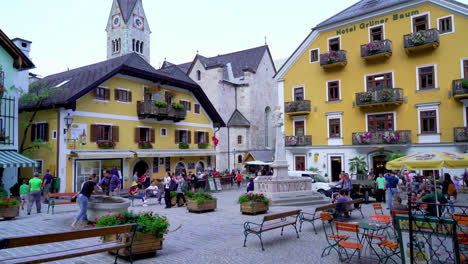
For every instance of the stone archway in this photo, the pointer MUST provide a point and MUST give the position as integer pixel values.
(200, 167)
(141, 166)
(179, 167)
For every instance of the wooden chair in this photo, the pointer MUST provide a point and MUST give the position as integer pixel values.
(378, 206)
(385, 221)
(389, 250)
(332, 238)
(346, 245)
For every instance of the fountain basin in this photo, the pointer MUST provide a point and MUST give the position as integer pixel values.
(100, 205)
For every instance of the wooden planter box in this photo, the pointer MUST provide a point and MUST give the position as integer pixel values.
(10, 213)
(194, 206)
(254, 208)
(142, 244)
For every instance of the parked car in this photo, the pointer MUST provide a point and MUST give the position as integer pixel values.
(319, 183)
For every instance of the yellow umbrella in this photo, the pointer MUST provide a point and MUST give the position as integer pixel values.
(431, 160)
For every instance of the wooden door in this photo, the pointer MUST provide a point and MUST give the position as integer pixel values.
(299, 128)
(300, 163)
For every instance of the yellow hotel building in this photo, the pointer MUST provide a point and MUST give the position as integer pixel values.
(377, 78)
(124, 114)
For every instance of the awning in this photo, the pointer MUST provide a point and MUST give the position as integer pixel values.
(104, 154)
(257, 162)
(175, 152)
(12, 159)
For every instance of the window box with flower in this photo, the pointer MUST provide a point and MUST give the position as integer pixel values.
(333, 58)
(9, 208)
(150, 231)
(106, 144)
(145, 145)
(376, 49)
(201, 202)
(364, 137)
(252, 203)
(390, 136)
(422, 39)
(203, 145)
(3, 136)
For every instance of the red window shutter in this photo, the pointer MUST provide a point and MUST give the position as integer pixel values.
(189, 137)
(115, 133)
(33, 132)
(94, 133)
(107, 94)
(137, 134)
(46, 132)
(176, 136)
(153, 137)
(207, 138)
(129, 96)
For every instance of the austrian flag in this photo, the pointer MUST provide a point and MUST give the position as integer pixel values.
(215, 140)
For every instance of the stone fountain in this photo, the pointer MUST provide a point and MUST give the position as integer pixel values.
(280, 188)
(100, 205)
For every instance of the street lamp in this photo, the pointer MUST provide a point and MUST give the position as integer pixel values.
(68, 122)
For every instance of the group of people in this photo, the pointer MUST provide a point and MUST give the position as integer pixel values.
(30, 191)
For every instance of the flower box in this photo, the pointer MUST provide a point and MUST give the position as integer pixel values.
(8, 213)
(203, 146)
(108, 144)
(183, 145)
(196, 206)
(253, 208)
(145, 145)
(142, 244)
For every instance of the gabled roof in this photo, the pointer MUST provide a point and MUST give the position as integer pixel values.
(75, 83)
(262, 155)
(126, 7)
(238, 120)
(21, 61)
(241, 61)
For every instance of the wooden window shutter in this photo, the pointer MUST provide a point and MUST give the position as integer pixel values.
(46, 132)
(196, 138)
(137, 134)
(115, 133)
(129, 96)
(33, 132)
(116, 94)
(94, 133)
(207, 138)
(176, 136)
(107, 94)
(189, 137)
(153, 137)
(95, 92)
(189, 106)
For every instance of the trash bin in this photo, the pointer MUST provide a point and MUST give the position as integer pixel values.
(56, 186)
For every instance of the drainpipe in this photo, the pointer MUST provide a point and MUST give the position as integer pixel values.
(57, 161)
(229, 163)
(214, 134)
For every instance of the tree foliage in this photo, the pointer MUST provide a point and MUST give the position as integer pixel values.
(394, 156)
(358, 164)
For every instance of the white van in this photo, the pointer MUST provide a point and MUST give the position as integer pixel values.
(319, 183)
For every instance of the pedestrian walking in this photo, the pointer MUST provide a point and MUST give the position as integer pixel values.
(391, 183)
(82, 200)
(181, 188)
(135, 177)
(380, 188)
(35, 185)
(24, 193)
(239, 180)
(47, 186)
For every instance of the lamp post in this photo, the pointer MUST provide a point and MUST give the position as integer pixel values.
(68, 122)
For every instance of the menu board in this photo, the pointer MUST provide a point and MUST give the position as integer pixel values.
(211, 184)
(218, 184)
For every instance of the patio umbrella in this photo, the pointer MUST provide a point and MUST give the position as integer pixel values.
(431, 160)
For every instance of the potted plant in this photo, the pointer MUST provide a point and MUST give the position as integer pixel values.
(160, 103)
(364, 138)
(385, 95)
(252, 203)
(390, 136)
(145, 145)
(292, 140)
(170, 94)
(3, 136)
(203, 145)
(183, 145)
(151, 90)
(418, 38)
(330, 57)
(374, 46)
(106, 144)
(177, 106)
(2, 90)
(358, 164)
(465, 83)
(365, 96)
(173, 196)
(150, 231)
(201, 202)
(9, 208)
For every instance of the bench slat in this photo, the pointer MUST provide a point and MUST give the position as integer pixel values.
(53, 195)
(71, 253)
(272, 226)
(280, 215)
(325, 207)
(13, 242)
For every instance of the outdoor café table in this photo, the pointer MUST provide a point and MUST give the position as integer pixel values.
(369, 230)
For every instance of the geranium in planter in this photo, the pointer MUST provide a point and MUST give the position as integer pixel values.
(418, 38)
(385, 95)
(145, 145)
(364, 138)
(374, 45)
(150, 230)
(203, 145)
(3, 136)
(252, 203)
(183, 145)
(365, 96)
(178, 106)
(173, 196)
(9, 208)
(106, 144)
(160, 103)
(330, 56)
(201, 202)
(292, 140)
(391, 136)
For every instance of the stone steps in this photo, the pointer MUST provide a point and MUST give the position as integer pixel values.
(314, 200)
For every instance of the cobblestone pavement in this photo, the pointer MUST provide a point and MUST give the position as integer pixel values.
(214, 237)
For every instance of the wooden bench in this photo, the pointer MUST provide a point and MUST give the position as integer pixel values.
(52, 201)
(120, 231)
(270, 222)
(354, 202)
(308, 217)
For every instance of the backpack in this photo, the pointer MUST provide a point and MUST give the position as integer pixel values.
(173, 186)
(184, 187)
(452, 190)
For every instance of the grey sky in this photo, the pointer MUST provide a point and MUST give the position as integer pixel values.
(71, 33)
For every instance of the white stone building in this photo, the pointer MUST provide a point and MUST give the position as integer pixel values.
(241, 87)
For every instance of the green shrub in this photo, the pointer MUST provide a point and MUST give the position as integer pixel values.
(202, 196)
(189, 194)
(173, 194)
(183, 145)
(253, 198)
(160, 103)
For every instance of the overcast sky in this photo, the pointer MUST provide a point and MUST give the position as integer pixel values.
(71, 33)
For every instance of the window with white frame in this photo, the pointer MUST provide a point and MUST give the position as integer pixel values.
(445, 25)
(38, 169)
(163, 132)
(428, 118)
(426, 77)
(333, 91)
(314, 55)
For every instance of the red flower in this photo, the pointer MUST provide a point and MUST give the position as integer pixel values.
(164, 220)
(94, 225)
(164, 238)
(95, 220)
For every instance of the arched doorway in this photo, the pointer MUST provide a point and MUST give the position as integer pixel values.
(141, 167)
(379, 163)
(200, 167)
(179, 167)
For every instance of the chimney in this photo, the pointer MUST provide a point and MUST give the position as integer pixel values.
(23, 45)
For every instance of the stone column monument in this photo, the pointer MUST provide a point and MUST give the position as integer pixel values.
(280, 188)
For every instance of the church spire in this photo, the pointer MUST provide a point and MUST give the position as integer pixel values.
(128, 30)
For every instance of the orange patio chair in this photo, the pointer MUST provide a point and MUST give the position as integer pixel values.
(346, 245)
(378, 206)
(332, 238)
(385, 221)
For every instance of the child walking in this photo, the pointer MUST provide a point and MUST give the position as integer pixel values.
(24, 193)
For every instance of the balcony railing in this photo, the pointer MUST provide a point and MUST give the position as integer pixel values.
(377, 49)
(385, 96)
(297, 107)
(383, 137)
(294, 141)
(460, 134)
(333, 58)
(148, 109)
(421, 39)
(460, 88)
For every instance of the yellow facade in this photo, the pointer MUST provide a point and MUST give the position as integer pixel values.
(90, 111)
(447, 57)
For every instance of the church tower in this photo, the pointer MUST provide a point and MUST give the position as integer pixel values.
(128, 30)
